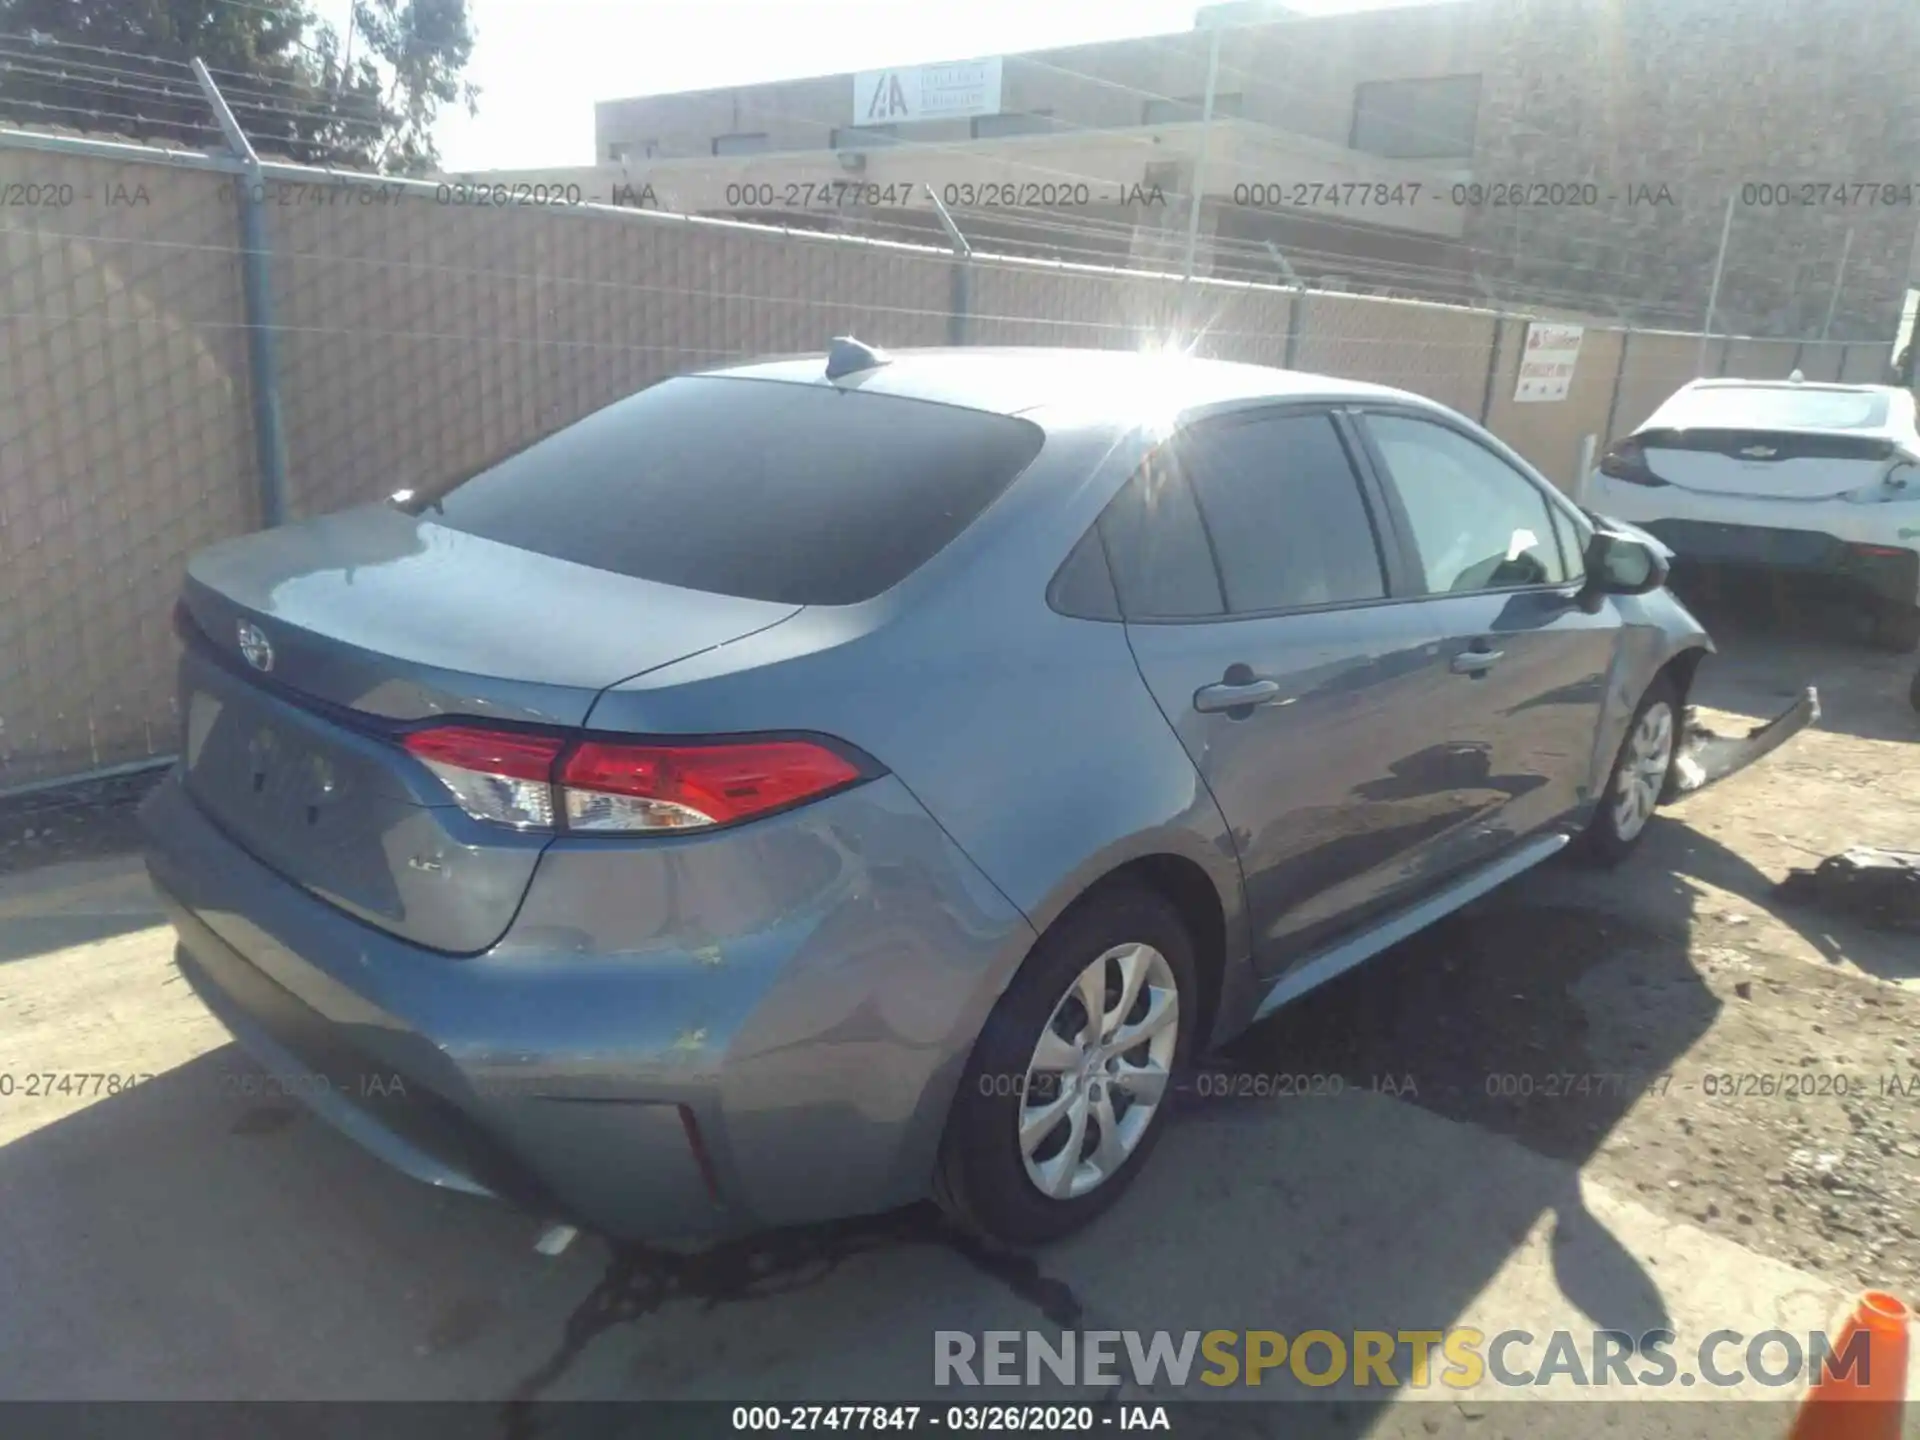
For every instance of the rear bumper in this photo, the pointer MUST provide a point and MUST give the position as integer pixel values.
(1867, 549)
(1884, 572)
(687, 1037)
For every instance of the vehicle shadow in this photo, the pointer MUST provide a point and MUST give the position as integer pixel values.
(1473, 1020)
(188, 1238)
(1675, 859)
(79, 902)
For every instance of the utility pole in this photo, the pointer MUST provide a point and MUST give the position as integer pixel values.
(1839, 279)
(1200, 159)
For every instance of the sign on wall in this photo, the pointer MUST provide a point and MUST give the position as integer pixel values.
(1546, 364)
(927, 92)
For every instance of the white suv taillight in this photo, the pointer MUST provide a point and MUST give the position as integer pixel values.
(542, 782)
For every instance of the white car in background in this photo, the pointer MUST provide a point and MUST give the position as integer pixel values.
(1820, 481)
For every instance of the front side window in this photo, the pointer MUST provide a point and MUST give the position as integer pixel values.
(1477, 523)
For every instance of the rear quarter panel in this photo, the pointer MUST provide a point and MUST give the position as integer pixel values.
(1028, 735)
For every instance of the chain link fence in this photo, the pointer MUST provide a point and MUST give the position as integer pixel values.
(165, 384)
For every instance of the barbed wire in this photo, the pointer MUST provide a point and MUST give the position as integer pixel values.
(970, 148)
(497, 274)
(1087, 238)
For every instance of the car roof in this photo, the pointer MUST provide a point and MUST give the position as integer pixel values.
(1118, 385)
(1830, 386)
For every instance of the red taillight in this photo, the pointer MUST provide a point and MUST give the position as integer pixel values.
(677, 787)
(1628, 461)
(542, 782)
(495, 752)
(500, 775)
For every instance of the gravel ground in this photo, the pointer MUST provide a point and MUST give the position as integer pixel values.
(74, 822)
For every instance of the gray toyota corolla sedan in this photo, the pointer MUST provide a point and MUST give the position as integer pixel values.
(801, 788)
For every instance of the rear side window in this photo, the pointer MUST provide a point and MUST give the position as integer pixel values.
(767, 490)
(1161, 564)
(1283, 506)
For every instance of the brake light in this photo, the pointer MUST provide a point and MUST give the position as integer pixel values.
(544, 782)
(1628, 461)
(500, 775)
(686, 787)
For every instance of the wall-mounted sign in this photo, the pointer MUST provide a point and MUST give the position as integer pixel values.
(1546, 364)
(927, 92)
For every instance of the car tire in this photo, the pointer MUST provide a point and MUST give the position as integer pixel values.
(1896, 628)
(987, 1178)
(1913, 691)
(1640, 777)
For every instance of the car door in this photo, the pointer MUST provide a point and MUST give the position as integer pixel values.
(1495, 551)
(1258, 597)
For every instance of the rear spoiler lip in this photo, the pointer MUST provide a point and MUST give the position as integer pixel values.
(1705, 758)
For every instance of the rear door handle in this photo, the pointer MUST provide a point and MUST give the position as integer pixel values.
(1211, 699)
(1476, 662)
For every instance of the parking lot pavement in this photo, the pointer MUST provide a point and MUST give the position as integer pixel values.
(185, 1238)
(181, 1239)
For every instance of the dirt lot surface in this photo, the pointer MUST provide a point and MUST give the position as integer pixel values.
(1656, 1095)
(1750, 1065)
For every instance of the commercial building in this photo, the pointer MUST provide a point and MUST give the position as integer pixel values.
(1572, 154)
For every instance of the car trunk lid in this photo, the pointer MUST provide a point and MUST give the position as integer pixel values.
(311, 650)
(1766, 464)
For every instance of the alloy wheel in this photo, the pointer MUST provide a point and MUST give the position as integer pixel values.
(1099, 1071)
(1643, 770)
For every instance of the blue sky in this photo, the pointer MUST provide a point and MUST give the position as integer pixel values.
(542, 63)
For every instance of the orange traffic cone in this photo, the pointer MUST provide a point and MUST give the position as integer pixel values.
(1863, 1401)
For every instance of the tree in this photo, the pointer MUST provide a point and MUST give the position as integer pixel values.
(296, 87)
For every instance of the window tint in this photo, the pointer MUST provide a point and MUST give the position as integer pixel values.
(1283, 508)
(1158, 551)
(1082, 587)
(1478, 523)
(804, 494)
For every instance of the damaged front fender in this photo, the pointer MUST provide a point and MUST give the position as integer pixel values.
(1707, 757)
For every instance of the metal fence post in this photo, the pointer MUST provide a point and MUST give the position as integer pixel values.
(262, 354)
(1583, 467)
(1619, 379)
(1713, 294)
(960, 300)
(1493, 364)
(1296, 305)
(1297, 312)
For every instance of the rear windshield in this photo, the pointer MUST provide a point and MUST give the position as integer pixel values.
(803, 494)
(1772, 407)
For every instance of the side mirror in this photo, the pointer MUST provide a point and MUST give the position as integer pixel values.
(1621, 565)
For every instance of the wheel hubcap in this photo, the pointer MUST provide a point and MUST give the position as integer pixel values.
(1099, 1071)
(1643, 770)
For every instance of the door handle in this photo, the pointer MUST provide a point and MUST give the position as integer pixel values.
(1475, 662)
(1210, 699)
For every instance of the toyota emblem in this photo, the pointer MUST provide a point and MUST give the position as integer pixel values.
(255, 646)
